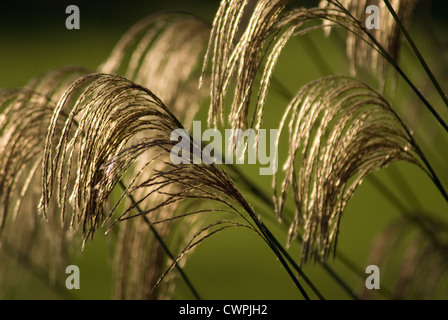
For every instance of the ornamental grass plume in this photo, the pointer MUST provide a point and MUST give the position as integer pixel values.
(87, 151)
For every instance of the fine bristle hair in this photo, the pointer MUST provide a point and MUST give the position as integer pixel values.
(164, 52)
(111, 113)
(340, 130)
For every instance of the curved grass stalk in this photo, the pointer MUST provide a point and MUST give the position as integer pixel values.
(25, 115)
(102, 147)
(290, 22)
(344, 134)
(161, 52)
(112, 112)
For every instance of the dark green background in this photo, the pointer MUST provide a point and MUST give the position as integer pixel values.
(234, 264)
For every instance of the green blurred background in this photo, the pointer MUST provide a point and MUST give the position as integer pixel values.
(234, 264)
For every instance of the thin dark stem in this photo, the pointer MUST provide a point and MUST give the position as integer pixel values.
(260, 194)
(341, 282)
(432, 174)
(417, 53)
(157, 235)
(269, 237)
(154, 231)
(163, 244)
(284, 93)
(389, 58)
(377, 46)
(269, 240)
(296, 266)
(420, 95)
(267, 201)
